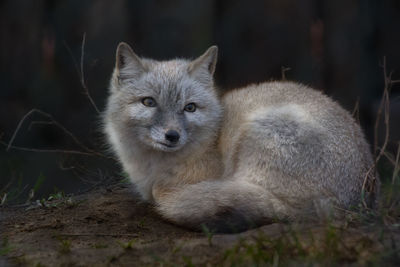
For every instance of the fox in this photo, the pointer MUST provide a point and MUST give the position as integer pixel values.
(235, 160)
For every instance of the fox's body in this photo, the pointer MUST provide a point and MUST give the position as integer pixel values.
(277, 150)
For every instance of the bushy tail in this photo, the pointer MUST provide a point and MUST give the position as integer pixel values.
(221, 206)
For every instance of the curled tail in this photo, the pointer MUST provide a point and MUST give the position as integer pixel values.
(221, 206)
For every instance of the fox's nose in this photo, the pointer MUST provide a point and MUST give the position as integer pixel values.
(172, 136)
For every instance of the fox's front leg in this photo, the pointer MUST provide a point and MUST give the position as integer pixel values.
(221, 206)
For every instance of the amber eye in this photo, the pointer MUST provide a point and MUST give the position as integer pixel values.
(149, 102)
(191, 107)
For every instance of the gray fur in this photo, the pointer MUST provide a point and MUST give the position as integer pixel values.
(277, 150)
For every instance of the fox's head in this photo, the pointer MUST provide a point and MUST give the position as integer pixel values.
(163, 105)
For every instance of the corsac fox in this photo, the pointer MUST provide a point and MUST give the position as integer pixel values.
(275, 150)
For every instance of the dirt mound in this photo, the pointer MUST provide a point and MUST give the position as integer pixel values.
(109, 226)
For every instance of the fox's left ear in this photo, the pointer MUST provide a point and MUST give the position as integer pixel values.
(204, 66)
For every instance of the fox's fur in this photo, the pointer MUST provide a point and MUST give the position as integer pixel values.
(276, 150)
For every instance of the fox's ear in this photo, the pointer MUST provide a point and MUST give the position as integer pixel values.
(203, 67)
(128, 64)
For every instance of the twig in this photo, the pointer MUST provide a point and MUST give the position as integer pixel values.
(283, 72)
(396, 165)
(63, 168)
(87, 151)
(81, 172)
(18, 127)
(57, 124)
(80, 70)
(3, 199)
(48, 150)
(381, 105)
(20, 192)
(82, 60)
(384, 105)
(390, 158)
(73, 58)
(83, 75)
(7, 185)
(356, 111)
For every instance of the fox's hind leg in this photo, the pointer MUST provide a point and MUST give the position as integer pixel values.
(287, 154)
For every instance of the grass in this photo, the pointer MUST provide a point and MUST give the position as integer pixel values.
(127, 245)
(99, 246)
(64, 246)
(188, 261)
(14, 189)
(209, 234)
(328, 247)
(5, 247)
(39, 182)
(142, 224)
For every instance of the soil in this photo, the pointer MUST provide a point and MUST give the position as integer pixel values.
(109, 226)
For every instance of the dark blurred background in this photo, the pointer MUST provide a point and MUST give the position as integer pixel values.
(334, 46)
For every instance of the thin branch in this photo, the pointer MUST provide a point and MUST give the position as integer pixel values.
(283, 72)
(396, 165)
(86, 89)
(76, 152)
(379, 113)
(87, 151)
(384, 106)
(57, 124)
(18, 194)
(3, 199)
(80, 70)
(356, 111)
(64, 168)
(82, 59)
(8, 184)
(390, 158)
(18, 127)
(73, 58)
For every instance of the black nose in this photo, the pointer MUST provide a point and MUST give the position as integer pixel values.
(172, 136)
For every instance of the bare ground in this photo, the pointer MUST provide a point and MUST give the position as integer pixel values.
(110, 227)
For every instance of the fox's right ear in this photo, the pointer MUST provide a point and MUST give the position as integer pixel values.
(128, 65)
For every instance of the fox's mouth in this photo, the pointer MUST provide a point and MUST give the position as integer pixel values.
(166, 147)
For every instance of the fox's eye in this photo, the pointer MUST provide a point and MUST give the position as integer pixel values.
(149, 102)
(191, 107)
